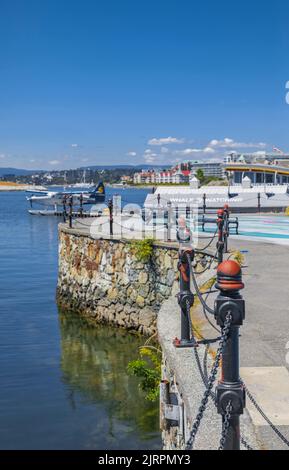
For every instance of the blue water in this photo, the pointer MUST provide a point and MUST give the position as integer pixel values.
(63, 384)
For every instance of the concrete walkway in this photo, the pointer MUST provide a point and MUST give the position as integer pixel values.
(264, 341)
(265, 333)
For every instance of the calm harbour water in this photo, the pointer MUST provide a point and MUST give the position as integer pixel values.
(63, 384)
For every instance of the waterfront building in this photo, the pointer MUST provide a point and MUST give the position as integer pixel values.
(261, 168)
(215, 169)
(175, 175)
(126, 179)
(144, 177)
(244, 197)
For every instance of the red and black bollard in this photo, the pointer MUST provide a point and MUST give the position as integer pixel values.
(220, 242)
(230, 393)
(185, 299)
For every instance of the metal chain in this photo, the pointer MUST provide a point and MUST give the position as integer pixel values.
(211, 241)
(204, 376)
(225, 425)
(258, 408)
(210, 310)
(208, 264)
(245, 444)
(205, 380)
(211, 381)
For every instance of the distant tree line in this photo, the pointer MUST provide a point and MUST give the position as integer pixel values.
(63, 177)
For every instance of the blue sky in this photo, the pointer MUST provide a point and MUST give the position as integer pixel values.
(97, 82)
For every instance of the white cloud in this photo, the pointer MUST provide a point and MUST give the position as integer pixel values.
(188, 151)
(2, 156)
(74, 145)
(54, 162)
(208, 150)
(261, 153)
(150, 156)
(150, 159)
(230, 144)
(214, 149)
(165, 141)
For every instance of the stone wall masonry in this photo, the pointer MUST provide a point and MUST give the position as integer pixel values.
(103, 280)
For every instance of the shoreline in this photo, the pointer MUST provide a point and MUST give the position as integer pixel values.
(11, 188)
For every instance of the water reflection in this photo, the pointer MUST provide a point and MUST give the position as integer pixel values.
(93, 364)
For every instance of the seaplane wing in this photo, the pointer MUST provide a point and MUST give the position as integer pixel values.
(37, 191)
(53, 198)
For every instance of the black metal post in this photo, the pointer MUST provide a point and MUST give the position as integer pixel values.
(226, 227)
(70, 204)
(110, 207)
(259, 202)
(220, 242)
(169, 220)
(185, 299)
(81, 205)
(64, 208)
(203, 223)
(177, 215)
(230, 390)
(154, 223)
(204, 203)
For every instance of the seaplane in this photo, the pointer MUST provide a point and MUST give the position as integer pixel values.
(60, 199)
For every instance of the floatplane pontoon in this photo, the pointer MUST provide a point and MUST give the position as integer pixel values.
(60, 199)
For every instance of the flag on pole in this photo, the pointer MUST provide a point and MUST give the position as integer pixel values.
(276, 149)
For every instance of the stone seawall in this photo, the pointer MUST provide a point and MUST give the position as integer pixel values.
(104, 281)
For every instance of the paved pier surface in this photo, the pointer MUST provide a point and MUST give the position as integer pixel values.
(265, 333)
(264, 341)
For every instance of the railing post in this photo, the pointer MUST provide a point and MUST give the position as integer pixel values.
(110, 207)
(259, 202)
(220, 242)
(185, 298)
(64, 208)
(169, 220)
(70, 204)
(81, 205)
(230, 393)
(177, 215)
(204, 203)
(226, 227)
(154, 223)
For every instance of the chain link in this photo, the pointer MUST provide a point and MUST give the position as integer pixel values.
(205, 380)
(211, 381)
(259, 409)
(225, 425)
(245, 444)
